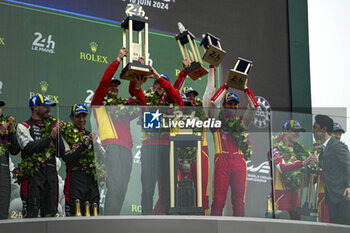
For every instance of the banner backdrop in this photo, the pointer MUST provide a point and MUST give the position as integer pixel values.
(62, 48)
(65, 56)
(252, 29)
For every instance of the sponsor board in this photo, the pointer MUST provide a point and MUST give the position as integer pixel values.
(88, 99)
(44, 85)
(92, 56)
(43, 43)
(260, 173)
(137, 156)
(2, 41)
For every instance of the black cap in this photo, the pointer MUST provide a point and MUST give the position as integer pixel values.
(114, 79)
(2, 103)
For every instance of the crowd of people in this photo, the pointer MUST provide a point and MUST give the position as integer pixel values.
(42, 138)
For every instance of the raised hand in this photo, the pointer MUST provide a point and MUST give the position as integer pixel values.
(12, 122)
(185, 63)
(141, 60)
(90, 139)
(59, 126)
(140, 80)
(312, 159)
(154, 73)
(123, 52)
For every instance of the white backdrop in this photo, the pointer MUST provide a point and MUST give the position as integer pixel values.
(329, 40)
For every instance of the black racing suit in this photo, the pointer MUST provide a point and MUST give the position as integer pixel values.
(39, 192)
(78, 184)
(5, 178)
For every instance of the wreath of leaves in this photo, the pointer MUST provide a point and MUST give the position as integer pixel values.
(88, 161)
(30, 165)
(296, 152)
(154, 99)
(5, 143)
(118, 109)
(235, 128)
(198, 112)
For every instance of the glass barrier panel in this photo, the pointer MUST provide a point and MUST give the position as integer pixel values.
(143, 160)
(306, 173)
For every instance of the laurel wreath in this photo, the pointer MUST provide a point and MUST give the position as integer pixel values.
(296, 152)
(198, 112)
(234, 127)
(30, 165)
(88, 162)
(154, 99)
(5, 143)
(118, 104)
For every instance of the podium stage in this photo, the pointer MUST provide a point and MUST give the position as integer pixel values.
(166, 224)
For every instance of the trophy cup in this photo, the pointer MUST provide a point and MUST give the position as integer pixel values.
(309, 208)
(213, 53)
(184, 191)
(238, 75)
(196, 69)
(135, 21)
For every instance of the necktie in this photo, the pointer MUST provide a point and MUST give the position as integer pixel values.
(321, 156)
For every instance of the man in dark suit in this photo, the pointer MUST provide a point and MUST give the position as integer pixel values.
(335, 161)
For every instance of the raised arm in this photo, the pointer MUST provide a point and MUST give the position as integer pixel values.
(210, 88)
(253, 106)
(181, 78)
(172, 93)
(103, 87)
(136, 90)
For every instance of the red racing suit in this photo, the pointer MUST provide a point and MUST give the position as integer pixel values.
(285, 198)
(112, 131)
(230, 167)
(156, 150)
(116, 136)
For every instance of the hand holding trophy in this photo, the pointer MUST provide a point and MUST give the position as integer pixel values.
(135, 21)
(196, 68)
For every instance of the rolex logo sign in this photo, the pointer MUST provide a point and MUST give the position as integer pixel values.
(44, 85)
(93, 56)
(93, 46)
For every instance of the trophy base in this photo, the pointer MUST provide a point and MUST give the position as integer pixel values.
(134, 69)
(279, 214)
(236, 80)
(186, 211)
(196, 70)
(306, 211)
(214, 55)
